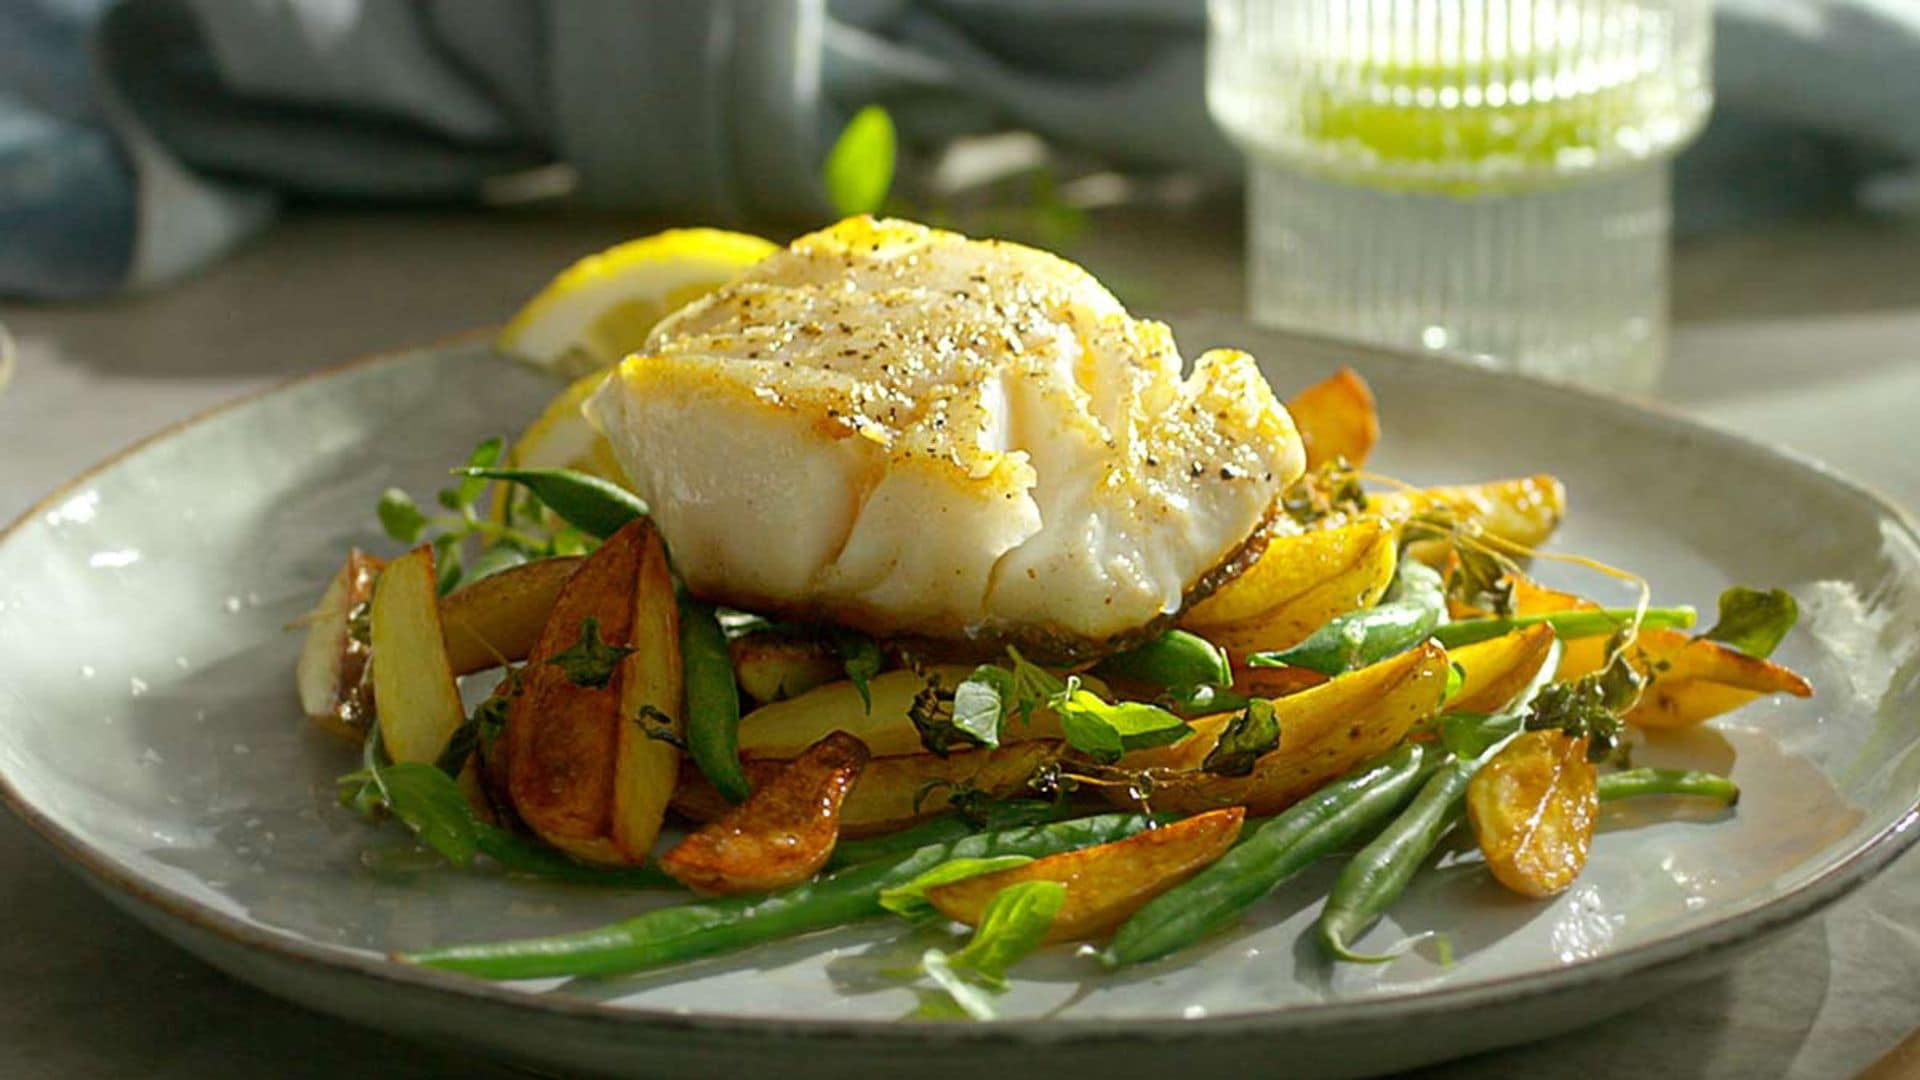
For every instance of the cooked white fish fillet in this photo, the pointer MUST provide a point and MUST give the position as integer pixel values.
(916, 434)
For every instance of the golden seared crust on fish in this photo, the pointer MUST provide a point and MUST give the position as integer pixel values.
(913, 433)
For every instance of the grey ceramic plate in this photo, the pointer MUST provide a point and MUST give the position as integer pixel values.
(148, 730)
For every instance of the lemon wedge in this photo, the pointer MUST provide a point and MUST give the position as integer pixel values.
(601, 308)
(561, 438)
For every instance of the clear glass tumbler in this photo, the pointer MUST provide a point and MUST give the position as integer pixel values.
(1481, 176)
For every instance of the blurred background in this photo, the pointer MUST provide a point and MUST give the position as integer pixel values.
(1711, 203)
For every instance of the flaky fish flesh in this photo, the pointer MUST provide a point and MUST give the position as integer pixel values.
(915, 434)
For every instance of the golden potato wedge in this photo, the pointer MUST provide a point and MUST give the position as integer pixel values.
(582, 771)
(1296, 586)
(1533, 809)
(1105, 884)
(1581, 656)
(784, 832)
(413, 689)
(331, 673)
(1337, 419)
(1499, 668)
(652, 703)
(892, 792)
(1692, 679)
(784, 729)
(1525, 510)
(1273, 682)
(500, 616)
(774, 665)
(1324, 732)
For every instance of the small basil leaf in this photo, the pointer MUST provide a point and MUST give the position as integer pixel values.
(1106, 731)
(1014, 923)
(401, 519)
(981, 701)
(1252, 734)
(434, 807)
(859, 169)
(861, 659)
(1753, 621)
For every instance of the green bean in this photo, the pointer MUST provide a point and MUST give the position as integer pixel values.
(1379, 873)
(1330, 818)
(1632, 783)
(689, 931)
(1408, 615)
(596, 507)
(713, 701)
(946, 829)
(1584, 623)
(1174, 660)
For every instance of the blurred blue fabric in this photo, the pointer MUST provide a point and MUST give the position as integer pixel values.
(142, 138)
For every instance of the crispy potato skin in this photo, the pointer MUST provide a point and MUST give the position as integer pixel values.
(413, 687)
(1533, 809)
(783, 834)
(1297, 585)
(892, 792)
(500, 617)
(1107, 883)
(331, 673)
(1324, 732)
(1499, 668)
(1337, 418)
(563, 740)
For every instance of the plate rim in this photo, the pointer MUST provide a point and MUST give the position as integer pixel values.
(1853, 869)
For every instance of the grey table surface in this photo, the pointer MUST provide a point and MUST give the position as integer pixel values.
(1809, 333)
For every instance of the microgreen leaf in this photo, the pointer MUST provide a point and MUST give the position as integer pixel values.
(860, 657)
(401, 519)
(910, 899)
(1248, 736)
(859, 169)
(1753, 621)
(1014, 923)
(1456, 681)
(981, 701)
(1033, 685)
(590, 662)
(1105, 731)
(434, 807)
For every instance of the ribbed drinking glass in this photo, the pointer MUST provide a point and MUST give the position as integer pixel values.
(1481, 176)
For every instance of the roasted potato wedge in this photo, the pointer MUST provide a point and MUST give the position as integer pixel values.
(499, 617)
(774, 665)
(652, 704)
(1689, 679)
(1107, 883)
(1324, 732)
(892, 792)
(784, 729)
(1524, 511)
(331, 673)
(1299, 583)
(579, 766)
(782, 835)
(1499, 668)
(1337, 419)
(1693, 679)
(1533, 809)
(413, 688)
